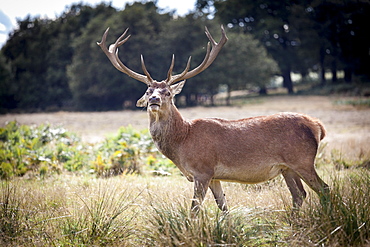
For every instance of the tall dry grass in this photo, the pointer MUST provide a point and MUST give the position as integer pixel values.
(145, 211)
(343, 221)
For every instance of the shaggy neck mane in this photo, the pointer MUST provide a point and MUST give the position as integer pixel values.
(168, 131)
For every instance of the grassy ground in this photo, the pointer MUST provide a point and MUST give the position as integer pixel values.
(135, 210)
(145, 210)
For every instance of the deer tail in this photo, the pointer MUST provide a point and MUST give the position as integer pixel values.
(322, 131)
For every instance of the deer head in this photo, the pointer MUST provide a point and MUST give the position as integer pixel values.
(159, 95)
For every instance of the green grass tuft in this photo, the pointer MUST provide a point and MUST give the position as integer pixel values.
(345, 221)
(172, 225)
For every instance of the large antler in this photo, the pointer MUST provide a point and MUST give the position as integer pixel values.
(112, 54)
(207, 61)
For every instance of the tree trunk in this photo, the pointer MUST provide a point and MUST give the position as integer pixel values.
(348, 75)
(322, 65)
(228, 97)
(322, 76)
(190, 100)
(263, 91)
(212, 100)
(334, 69)
(287, 82)
(334, 78)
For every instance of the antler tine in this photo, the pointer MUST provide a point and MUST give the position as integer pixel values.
(207, 61)
(144, 69)
(120, 42)
(169, 73)
(171, 80)
(103, 39)
(186, 69)
(112, 55)
(209, 36)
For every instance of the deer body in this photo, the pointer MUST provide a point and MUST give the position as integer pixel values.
(210, 150)
(205, 144)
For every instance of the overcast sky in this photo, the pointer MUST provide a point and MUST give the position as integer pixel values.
(11, 10)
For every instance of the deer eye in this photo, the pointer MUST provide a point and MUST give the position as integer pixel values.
(166, 92)
(149, 91)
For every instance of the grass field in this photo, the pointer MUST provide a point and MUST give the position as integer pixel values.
(147, 210)
(154, 211)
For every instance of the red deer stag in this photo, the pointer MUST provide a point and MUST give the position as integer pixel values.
(210, 150)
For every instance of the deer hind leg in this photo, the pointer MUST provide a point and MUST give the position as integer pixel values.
(200, 190)
(219, 195)
(295, 186)
(310, 177)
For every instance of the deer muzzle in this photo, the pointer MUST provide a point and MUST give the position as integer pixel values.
(154, 103)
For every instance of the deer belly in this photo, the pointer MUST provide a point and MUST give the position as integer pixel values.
(248, 174)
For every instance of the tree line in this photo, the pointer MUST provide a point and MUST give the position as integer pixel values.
(52, 64)
(304, 35)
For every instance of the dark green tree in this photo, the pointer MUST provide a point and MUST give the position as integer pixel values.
(248, 64)
(343, 29)
(302, 34)
(242, 64)
(270, 22)
(7, 88)
(26, 53)
(68, 27)
(38, 53)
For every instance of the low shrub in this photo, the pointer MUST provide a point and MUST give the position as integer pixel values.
(44, 150)
(122, 153)
(39, 150)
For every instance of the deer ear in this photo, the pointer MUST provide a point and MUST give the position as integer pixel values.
(176, 89)
(141, 102)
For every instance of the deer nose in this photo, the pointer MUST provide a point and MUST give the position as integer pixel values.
(154, 99)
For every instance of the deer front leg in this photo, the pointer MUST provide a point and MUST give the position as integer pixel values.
(200, 190)
(219, 195)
